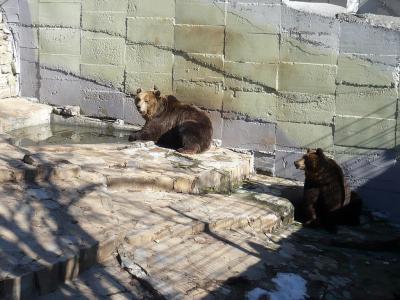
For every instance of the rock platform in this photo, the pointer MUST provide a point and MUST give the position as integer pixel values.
(66, 208)
(16, 113)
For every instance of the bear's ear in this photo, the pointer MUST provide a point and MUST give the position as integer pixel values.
(320, 152)
(308, 150)
(138, 91)
(156, 92)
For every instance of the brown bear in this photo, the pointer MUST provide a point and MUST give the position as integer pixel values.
(171, 123)
(327, 198)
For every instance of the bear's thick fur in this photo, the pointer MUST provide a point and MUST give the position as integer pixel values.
(327, 199)
(171, 123)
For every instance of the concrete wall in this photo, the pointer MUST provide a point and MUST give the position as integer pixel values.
(8, 79)
(274, 79)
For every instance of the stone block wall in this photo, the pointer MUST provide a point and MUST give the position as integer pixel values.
(274, 79)
(8, 79)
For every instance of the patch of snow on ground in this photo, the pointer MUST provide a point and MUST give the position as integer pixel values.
(289, 286)
(256, 294)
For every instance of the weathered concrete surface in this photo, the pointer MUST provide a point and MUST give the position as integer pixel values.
(105, 281)
(144, 165)
(64, 208)
(16, 113)
(229, 264)
(141, 165)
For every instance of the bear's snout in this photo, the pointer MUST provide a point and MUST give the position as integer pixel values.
(137, 106)
(140, 105)
(299, 164)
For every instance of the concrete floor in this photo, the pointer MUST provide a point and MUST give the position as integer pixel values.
(233, 264)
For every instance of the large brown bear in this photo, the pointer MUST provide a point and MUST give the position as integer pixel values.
(171, 123)
(327, 200)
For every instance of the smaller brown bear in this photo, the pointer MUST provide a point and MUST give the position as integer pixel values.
(327, 198)
(171, 123)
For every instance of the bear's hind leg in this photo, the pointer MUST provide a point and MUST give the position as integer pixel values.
(191, 138)
(192, 150)
(310, 199)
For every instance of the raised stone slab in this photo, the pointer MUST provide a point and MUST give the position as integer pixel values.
(16, 113)
(64, 208)
(140, 166)
(54, 230)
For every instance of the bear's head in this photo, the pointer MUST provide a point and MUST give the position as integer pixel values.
(148, 103)
(311, 161)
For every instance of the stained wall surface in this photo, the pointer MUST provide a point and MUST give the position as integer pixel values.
(274, 79)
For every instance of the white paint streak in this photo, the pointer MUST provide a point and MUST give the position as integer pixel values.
(396, 75)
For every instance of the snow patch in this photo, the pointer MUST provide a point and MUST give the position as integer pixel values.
(256, 294)
(289, 286)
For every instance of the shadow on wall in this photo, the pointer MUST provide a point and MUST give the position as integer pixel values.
(376, 178)
(372, 168)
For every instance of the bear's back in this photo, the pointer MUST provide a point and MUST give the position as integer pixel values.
(335, 187)
(182, 112)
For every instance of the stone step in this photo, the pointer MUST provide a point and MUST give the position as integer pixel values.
(52, 231)
(291, 262)
(105, 281)
(16, 113)
(135, 166)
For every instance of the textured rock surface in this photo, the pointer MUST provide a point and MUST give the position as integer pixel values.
(140, 165)
(66, 208)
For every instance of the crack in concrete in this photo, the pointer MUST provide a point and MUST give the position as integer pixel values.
(245, 19)
(175, 51)
(376, 86)
(371, 61)
(187, 56)
(303, 50)
(311, 42)
(312, 33)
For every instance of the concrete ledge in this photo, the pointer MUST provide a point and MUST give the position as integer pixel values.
(93, 221)
(16, 113)
(141, 166)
